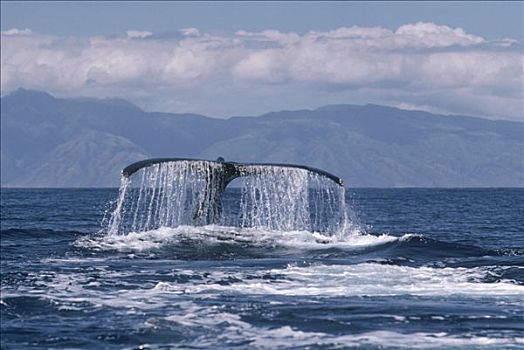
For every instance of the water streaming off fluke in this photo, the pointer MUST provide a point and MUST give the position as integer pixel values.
(189, 192)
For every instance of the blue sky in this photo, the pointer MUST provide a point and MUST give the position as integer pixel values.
(239, 58)
(491, 20)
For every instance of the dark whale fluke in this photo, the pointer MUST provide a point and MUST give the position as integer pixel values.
(209, 209)
(232, 170)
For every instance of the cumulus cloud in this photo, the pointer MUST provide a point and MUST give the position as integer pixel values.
(137, 34)
(16, 31)
(431, 35)
(435, 66)
(190, 31)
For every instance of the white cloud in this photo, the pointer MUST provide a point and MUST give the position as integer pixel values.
(273, 36)
(137, 34)
(190, 31)
(16, 31)
(416, 107)
(432, 35)
(434, 66)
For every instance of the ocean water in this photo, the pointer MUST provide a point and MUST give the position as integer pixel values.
(419, 268)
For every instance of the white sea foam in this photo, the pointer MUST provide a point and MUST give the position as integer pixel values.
(186, 304)
(223, 326)
(368, 279)
(213, 234)
(286, 335)
(320, 281)
(229, 327)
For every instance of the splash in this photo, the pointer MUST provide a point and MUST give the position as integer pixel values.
(287, 199)
(173, 194)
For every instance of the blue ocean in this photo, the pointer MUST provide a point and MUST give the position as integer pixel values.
(418, 268)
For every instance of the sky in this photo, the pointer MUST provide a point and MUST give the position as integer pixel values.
(247, 58)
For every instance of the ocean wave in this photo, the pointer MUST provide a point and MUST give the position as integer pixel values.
(227, 327)
(212, 235)
(140, 290)
(367, 279)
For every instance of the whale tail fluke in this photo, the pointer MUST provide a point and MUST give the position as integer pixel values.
(208, 210)
(231, 170)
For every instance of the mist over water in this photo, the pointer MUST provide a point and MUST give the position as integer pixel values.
(364, 268)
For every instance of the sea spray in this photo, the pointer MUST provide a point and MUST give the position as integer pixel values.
(286, 199)
(116, 217)
(173, 194)
(162, 195)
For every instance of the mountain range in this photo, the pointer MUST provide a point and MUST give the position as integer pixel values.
(85, 142)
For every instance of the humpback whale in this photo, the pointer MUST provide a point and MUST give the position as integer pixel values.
(209, 208)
